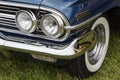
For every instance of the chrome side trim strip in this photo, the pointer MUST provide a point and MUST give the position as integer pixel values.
(19, 4)
(83, 23)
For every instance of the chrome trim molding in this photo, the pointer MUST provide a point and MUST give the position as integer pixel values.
(56, 12)
(60, 24)
(66, 22)
(44, 58)
(83, 23)
(69, 52)
(33, 18)
(39, 49)
(6, 15)
(19, 5)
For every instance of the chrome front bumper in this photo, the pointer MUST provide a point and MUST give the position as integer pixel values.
(85, 43)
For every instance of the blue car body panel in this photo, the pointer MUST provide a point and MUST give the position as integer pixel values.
(72, 7)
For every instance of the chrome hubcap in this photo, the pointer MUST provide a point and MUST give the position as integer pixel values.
(95, 54)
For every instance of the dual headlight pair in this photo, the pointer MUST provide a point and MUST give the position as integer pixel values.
(51, 24)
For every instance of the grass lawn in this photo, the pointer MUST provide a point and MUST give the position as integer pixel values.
(19, 68)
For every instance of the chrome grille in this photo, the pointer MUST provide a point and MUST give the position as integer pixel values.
(8, 9)
(7, 16)
(8, 24)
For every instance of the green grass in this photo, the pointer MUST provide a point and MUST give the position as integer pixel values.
(18, 68)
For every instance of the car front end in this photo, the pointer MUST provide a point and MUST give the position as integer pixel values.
(42, 31)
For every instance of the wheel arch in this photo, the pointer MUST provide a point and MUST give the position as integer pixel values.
(113, 15)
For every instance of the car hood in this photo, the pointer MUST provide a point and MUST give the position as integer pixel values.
(59, 3)
(36, 2)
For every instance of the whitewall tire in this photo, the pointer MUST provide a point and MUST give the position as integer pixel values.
(95, 67)
(89, 63)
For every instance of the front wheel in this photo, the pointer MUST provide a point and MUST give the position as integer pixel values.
(89, 63)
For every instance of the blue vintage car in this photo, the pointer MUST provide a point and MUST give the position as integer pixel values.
(70, 32)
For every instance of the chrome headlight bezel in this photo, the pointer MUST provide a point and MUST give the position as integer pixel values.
(33, 21)
(59, 22)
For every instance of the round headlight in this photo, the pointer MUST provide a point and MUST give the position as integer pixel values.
(26, 21)
(52, 25)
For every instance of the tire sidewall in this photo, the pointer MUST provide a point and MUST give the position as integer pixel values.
(96, 67)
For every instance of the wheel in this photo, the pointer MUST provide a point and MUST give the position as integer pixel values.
(89, 63)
